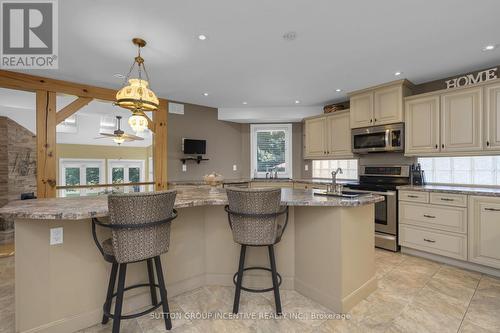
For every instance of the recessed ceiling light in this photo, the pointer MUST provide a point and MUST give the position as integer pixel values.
(489, 47)
(205, 94)
(338, 90)
(398, 73)
(202, 37)
(119, 76)
(244, 103)
(297, 102)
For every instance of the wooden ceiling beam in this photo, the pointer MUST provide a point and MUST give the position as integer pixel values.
(71, 108)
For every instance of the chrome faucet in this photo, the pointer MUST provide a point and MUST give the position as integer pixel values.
(334, 187)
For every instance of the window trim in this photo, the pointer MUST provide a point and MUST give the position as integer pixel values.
(254, 128)
(82, 164)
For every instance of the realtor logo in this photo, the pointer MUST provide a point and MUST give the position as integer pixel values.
(29, 34)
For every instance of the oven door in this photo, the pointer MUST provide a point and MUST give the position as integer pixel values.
(364, 141)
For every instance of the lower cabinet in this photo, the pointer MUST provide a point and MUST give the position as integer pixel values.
(308, 186)
(268, 184)
(484, 230)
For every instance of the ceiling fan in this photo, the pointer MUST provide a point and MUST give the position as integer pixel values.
(119, 136)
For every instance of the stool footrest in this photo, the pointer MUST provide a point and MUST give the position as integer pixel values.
(257, 290)
(134, 315)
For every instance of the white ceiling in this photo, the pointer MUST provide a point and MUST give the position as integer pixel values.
(340, 44)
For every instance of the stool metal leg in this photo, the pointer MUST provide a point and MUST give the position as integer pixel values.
(152, 288)
(163, 293)
(119, 298)
(276, 287)
(239, 280)
(109, 294)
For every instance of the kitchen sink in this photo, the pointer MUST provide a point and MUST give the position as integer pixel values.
(344, 194)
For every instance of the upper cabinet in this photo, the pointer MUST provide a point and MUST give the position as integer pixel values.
(462, 120)
(380, 105)
(328, 136)
(422, 125)
(492, 114)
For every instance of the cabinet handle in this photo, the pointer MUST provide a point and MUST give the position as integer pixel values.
(487, 143)
(447, 199)
(493, 209)
(442, 146)
(371, 120)
(412, 196)
(429, 240)
(375, 119)
(429, 216)
(437, 146)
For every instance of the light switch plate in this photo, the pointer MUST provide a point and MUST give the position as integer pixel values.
(56, 236)
(184, 168)
(235, 167)
(306, 167)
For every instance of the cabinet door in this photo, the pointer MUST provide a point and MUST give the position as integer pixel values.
(461, 120)
(315, 137)
(484, 231)
(493, 117)
(388, 105)
(339, 135)
(422, 125)
(361, 110)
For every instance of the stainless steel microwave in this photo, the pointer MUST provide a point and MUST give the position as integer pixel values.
(378, 139)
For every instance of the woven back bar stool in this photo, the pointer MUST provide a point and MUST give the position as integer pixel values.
(254, 216)
(140, 231)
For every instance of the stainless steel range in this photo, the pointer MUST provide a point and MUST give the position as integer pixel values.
(383, 180)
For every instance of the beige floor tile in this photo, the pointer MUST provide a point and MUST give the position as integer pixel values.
(403, 284)
(489, 286)
(436, 302)
(462, 277)
(419, 266)
(154, 322)
(484, 311)
(468, 327)
(126, 326)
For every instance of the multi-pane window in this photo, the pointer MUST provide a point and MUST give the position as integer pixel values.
(126, 171)
(271, 146)
(73, 172)
(476, 170)
(324, 168)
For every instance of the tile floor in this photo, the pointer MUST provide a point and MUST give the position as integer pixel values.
(414, 295)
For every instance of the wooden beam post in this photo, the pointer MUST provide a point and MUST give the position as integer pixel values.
(160, 146)
(46, 143)
(71, 108)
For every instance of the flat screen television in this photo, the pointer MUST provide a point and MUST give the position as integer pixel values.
(191, 146)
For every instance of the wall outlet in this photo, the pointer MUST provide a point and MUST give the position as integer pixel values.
(235, 167)
(306, 167)
(184, 168)
(56, 236)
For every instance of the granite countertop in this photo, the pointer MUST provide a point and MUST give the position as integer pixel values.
(77, 208)
(469, 190)
(247, 180)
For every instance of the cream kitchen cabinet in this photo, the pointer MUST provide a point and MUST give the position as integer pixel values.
(379, 105)
(315, 137)
(328, 136)
(422, 133)
(462, 120)
(484, 230)
(492, 114)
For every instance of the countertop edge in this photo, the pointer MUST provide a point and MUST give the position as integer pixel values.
(479, 191)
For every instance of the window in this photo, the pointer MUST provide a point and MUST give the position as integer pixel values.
(324, 168)
(476, 170)
(68, 125)
(271, 147)
(126, 171)
(74, 172)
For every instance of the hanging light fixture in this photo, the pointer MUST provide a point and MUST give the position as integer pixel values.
(135, 95)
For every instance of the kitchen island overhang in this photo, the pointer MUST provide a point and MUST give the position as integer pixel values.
(326, 254)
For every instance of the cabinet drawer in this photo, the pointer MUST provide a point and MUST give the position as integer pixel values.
(431, 216)
(438, 242)
(448, 199)
(414, 196)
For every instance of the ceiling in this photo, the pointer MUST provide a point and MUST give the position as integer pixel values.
(339, 44)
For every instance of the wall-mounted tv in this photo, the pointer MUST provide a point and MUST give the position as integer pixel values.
(191, 146)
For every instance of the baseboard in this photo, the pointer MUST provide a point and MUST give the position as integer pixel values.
(452, 262)
(359, 294)
(318, 296)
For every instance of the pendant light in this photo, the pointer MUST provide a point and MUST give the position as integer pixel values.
(135, 94)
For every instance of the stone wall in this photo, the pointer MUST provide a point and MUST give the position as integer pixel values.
(17, 164)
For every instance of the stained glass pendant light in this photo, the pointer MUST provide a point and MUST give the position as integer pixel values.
(135, 95)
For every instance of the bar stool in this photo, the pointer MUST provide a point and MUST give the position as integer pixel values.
(140, 231)
(253, 216)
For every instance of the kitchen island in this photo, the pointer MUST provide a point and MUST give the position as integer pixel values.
(326, 254)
